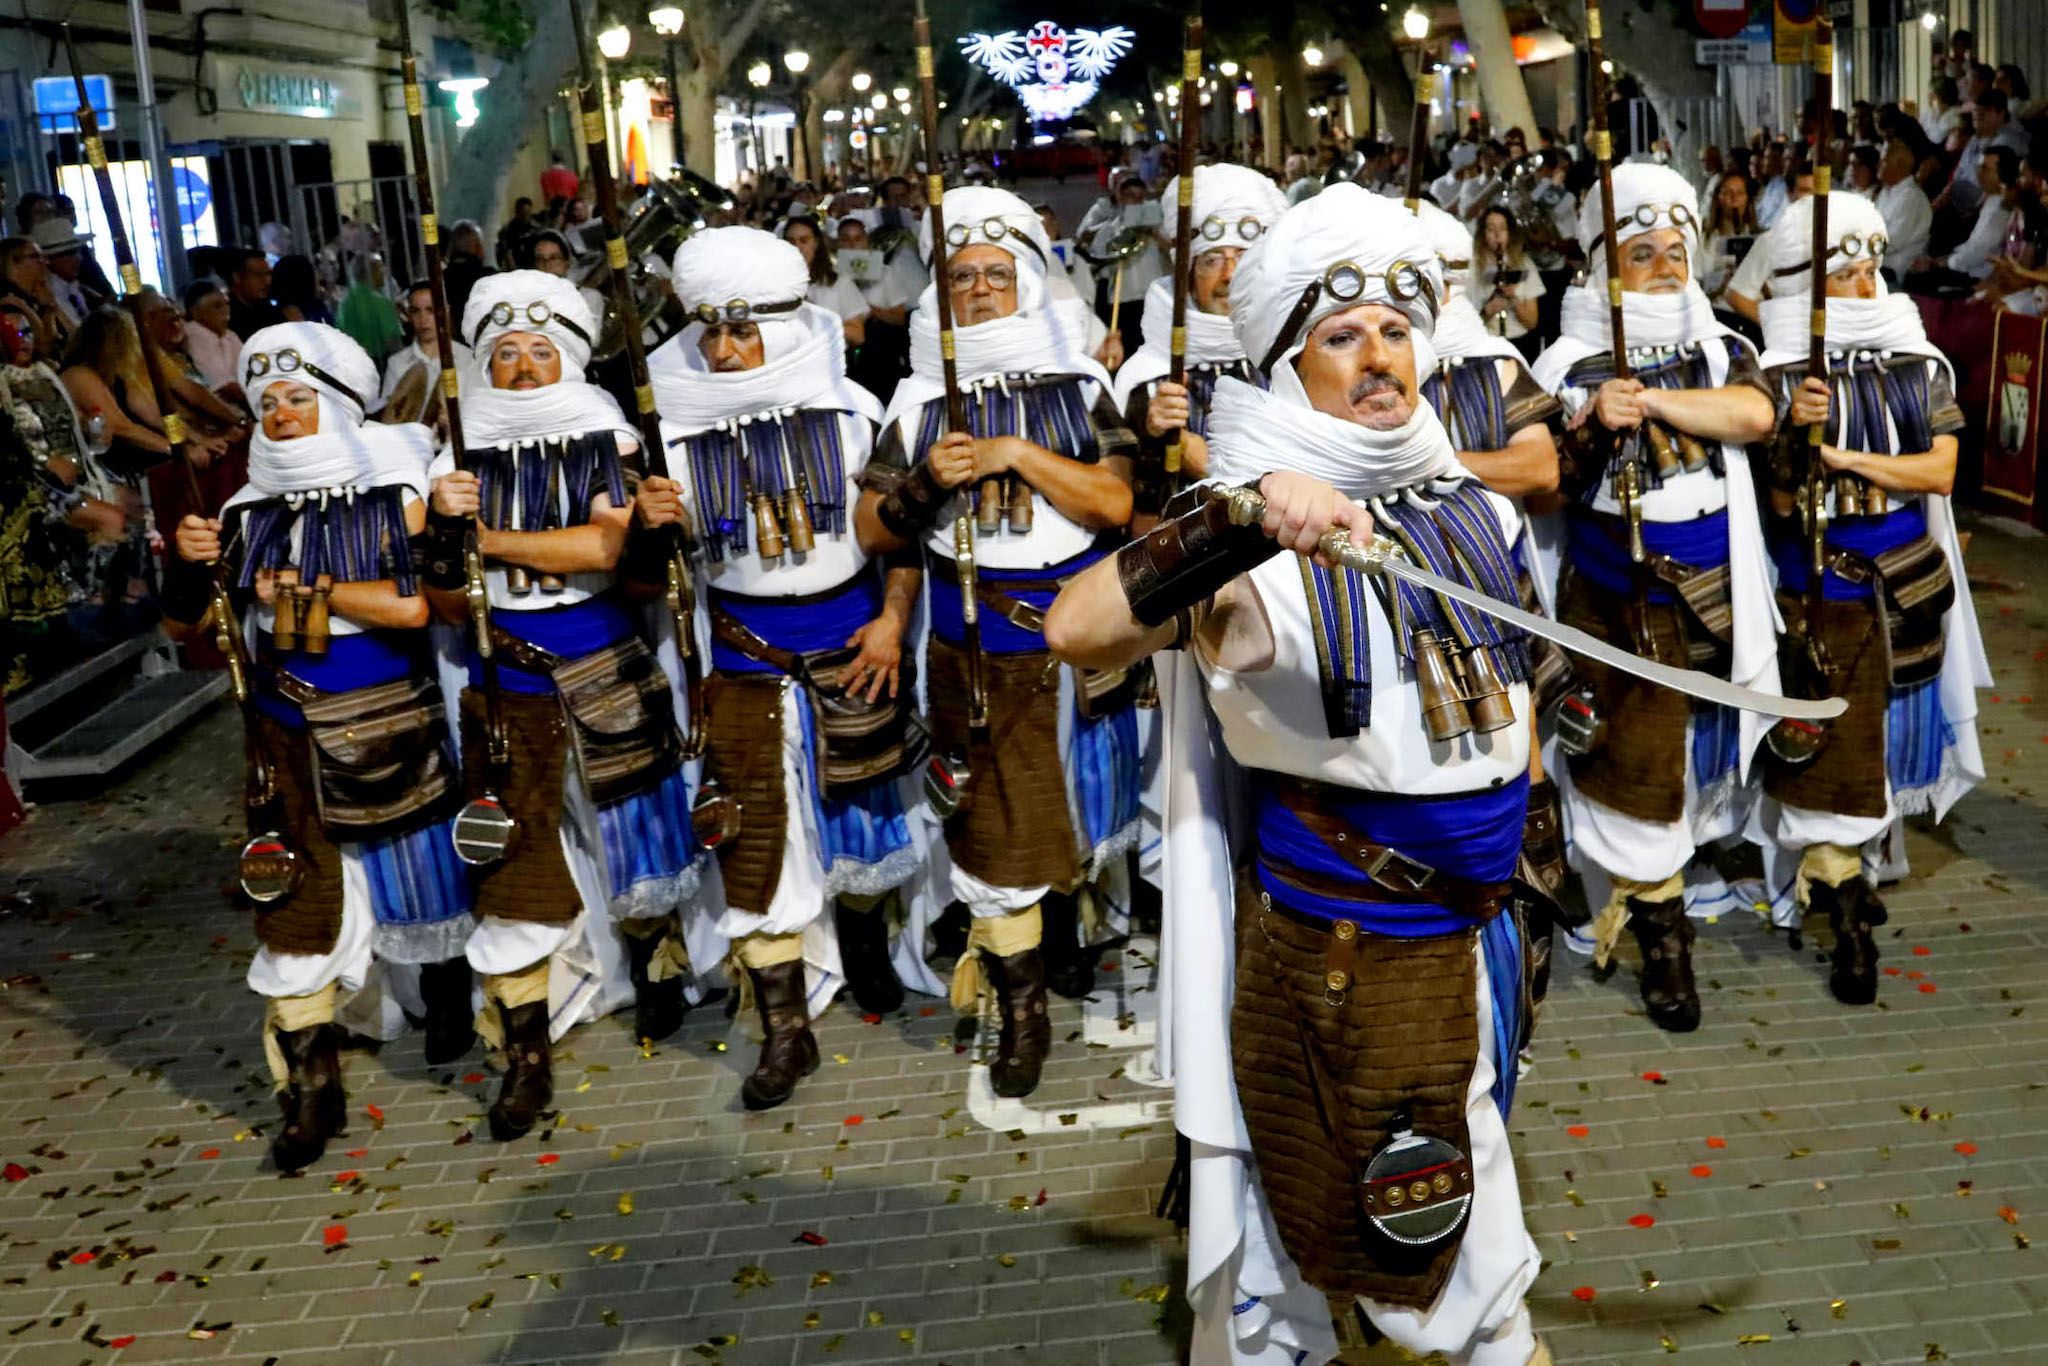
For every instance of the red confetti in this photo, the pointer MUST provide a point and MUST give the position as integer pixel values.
(1584, 1294)
(547, 1159)
(1702, 1170)
(1041, 1196)
(1578, 1131)
(814, 1239)
(358, 1152)
(1964, 927)
(1657, 1077)
(1915, 975)
(855, 1119)
(334, 1235)
(373, 1112)
(343, 1178)
(14, 1171)
(1642, 1220)
(1927, 988)
(927, 1011)
(166, 1277)
(2009, 1214)
(209, 1154)
(126, 1339)
(1717, 1143)
(871, 1018)
(81, 1258)
(1967, 1149)
(1921, 951)
(472, 1078)
(1891, 972)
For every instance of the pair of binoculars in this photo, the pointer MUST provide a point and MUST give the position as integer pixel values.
(1673, 451)
(782, 524)
(1857, 497)
(520, 581)
(1004, 498)
(300, 620)
(1461, 693)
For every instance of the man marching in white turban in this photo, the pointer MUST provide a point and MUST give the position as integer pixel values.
(318, 544)
(1889, 624)
(1343, 985)
(1233, 206)
(606, 837)
(810, 698)
(1050, 778)
(1665, 558)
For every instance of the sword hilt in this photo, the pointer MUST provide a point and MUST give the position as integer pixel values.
(1247, 507)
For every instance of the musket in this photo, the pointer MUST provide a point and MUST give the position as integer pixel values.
(681, 593)
(273, 868)
(956, 407)
(1628, 483)
(485, 828)
(1183, 229)
(1814, 493)
(1418, 126)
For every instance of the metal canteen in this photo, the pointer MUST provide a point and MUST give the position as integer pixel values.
(1443, 708)
(1661, 454)
(484, 831)
(1417, 1190)
(945, 783)
(716, 816)
(1692, 450)
(1581, 729)
(988, 507)
(268, 869)
(1797, 743)
(517, 581)
(1876, 501)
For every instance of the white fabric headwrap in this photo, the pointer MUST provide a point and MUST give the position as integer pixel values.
(1211, 340)
(1639, 185)
(1229, 194)
(972, 208)
(1345, 222)
(803, 352)
(1460, 332)
(345, 453)
(1648, 320)
(568, 407)
(1790, 241)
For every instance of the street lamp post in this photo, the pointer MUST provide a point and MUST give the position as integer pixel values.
(862, 82)
(798, 62)
(612, 45)
(1415, 23)
(668, 22)
(758, 76)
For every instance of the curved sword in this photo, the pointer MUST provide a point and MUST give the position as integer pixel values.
(1382, 556)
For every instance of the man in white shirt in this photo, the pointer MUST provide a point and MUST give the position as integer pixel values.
(1996, 172)
(1772, 201)
(1141, 268)
(1994, 129)
(1750, 282)
(1908, 217)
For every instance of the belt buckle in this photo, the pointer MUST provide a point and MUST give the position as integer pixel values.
(1395, 869)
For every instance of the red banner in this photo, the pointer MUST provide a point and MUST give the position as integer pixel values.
(2012, 419)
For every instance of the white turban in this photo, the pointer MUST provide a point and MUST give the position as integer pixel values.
(719, 271)
(531, 301)
(984, 216)
(1344, 224)
(1646, 197)
(1452, 238)
(1851, 219)
(1242, 203)
(345, 452)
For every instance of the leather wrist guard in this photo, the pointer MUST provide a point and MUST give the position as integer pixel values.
(645, 558)
(1542, 862)
(437, 552)
(1583, 454)
(187, 589)
(1186, 558)
(910, 508)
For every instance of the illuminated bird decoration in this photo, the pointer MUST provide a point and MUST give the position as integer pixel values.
(1053, 72)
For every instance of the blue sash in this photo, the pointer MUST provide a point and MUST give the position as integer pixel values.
(571, 632)
(1604, 559)
(1865, 536)
(1000, 635)
(362, 660)
(820, 622)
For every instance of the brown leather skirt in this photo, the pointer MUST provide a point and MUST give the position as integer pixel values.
(1014, 829)
(1319, 1083)
(533, 883)
(1640, 770)
(743, 754)
(1848, 777)
(309, 920)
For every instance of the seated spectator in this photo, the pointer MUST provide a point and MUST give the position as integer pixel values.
(1863, 163)
(249, 307)
(1994, 128)
(1997, 218)
(212, 344)
(1731, 231)
(64, 256)
(1908, 217)
(25, 280)
(295, 288)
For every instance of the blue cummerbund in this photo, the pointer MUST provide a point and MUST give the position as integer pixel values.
(1472, 835)
(362, 660)
(570, 632)
(820, 621)
(1000, 635)
(1603, 557)
(1865, 536)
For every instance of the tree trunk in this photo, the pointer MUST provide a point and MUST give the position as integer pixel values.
(697, 110)
(1265, 79)
(518, 96)
(1392, 82)
(1644, 47)
(1501, 87)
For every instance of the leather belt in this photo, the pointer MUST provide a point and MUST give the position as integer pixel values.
(1393, 877)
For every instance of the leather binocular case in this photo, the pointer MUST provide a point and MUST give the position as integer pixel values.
(716, 816)
(484, 831)
(945, 784)
(1581, 729)
(767, 528)
(796, 515)
(1797, 743)
(268, 869)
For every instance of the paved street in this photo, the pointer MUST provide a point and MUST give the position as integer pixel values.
(1795, 1183)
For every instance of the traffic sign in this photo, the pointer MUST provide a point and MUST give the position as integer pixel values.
(1792, 31)
(1721, 18)
(56, 100)
(1750, 47)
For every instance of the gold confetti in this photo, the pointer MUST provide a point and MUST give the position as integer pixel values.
(618, 1251)
(1006, 1260)
(1020, 1202)
(841, 1059)
(722, 1340)
(1650, 1281)
(1668, 1343)
(813, 1319)
(1838, 1309)
(2021, 1241)
(477, 1306)
(875, 1318)
(416, 1278)
(625, 1202)
(835, 1342)
(610, 1316)
(1884, 1244)
(1752, 1339)
(716, 1046)
(752, 1277)
(953, 1196)
(1657, 1189)
(1934, 1352)
(906, 1335)
(820, 1279)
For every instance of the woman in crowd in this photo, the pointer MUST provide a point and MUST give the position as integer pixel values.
(211, 343)
(828, 289)
(1731, 230)
(295, 288)
(1513, 287)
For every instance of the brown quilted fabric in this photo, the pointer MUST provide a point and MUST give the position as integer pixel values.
(1014, 830)
(1319, 1083)
(309, 920)
(533, 883)
(1848, 777)
(743, 730)
(1640, 771)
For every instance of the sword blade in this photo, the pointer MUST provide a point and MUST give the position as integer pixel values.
(1689, 681)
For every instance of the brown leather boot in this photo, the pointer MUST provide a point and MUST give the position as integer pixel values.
(1665, 935)
(1853, 975)
(790, 1052)
(864, 955)
(313, 1106)
(1026, 1036)
(445, 988)
(529, 1086)
(658, 1007)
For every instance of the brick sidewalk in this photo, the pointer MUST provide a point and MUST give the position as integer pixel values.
(1794, 1183)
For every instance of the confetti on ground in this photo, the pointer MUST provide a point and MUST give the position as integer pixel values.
(334, 1235)
(1584, 1294)
(1578, 1130)
(1703, 1170)
(1642, 1220)
(1967, 1149)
